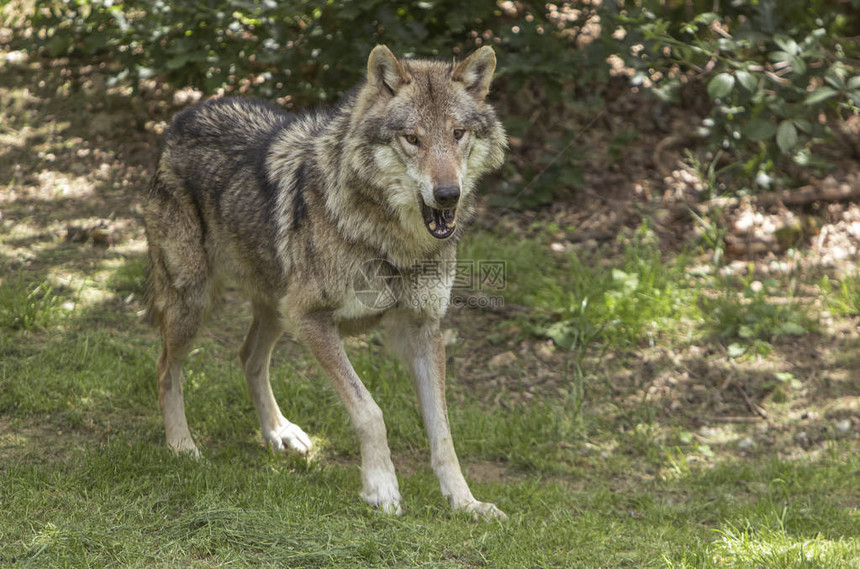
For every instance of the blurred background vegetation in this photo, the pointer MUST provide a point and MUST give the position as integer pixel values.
(768, 80)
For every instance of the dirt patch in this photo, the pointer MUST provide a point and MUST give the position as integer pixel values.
(39, 443)
(489, 472)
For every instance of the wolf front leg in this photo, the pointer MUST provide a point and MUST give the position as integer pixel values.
(420, 346)
(378, 482)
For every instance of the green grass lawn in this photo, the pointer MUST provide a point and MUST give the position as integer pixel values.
(588, 478)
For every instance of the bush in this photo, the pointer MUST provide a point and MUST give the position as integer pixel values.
(774, 71)
(314, 49)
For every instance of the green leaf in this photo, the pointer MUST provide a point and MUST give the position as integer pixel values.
(798, 65)
(721, 85)
(705, 450)
(854, 83)
(820, 95)
(786, 44)
(778, 106)
(705, 18)
(747, 80)
(779, 56)
(735, 350)
(58, 45)
(817, 33)
(792, 328)
(834, 79)
(786, 136)
(783, 376)
(759, 129)
(804, 125)
(727, 45)
(563, 334)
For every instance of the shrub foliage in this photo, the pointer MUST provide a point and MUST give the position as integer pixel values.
(777, 72)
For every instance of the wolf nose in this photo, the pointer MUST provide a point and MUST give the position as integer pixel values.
(447, 196)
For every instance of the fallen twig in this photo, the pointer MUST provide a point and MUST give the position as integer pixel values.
(484, 302)
(733, 419)
(750, 405)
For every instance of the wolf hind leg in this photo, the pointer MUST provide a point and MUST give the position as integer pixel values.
(180, 318)
(179, 294)
(172, 402)
(256, 353)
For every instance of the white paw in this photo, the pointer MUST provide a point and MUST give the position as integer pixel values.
(482, 510)
(289, 436)
(184, 446)
(380, 490)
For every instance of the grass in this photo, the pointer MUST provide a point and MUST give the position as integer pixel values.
(626, 432)
(133, 504)
(86, 480)
(27, 305)
(583, 295)
(843, 295)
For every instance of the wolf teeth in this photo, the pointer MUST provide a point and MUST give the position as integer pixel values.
(432, 226)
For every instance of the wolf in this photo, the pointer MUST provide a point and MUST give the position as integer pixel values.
(305, 213)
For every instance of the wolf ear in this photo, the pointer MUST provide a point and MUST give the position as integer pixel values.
(384, 71)
(476, 72)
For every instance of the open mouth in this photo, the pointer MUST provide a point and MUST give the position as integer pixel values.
(439, 222)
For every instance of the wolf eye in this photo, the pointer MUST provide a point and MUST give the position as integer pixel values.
(458, 133)
(411, 139)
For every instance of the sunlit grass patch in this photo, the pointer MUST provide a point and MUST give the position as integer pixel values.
(760, 312)
(129, 277)
(843, 295)
(580, 297)
(776, 548)
(28, 303)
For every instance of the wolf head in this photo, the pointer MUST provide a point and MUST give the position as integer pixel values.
(427, 135)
